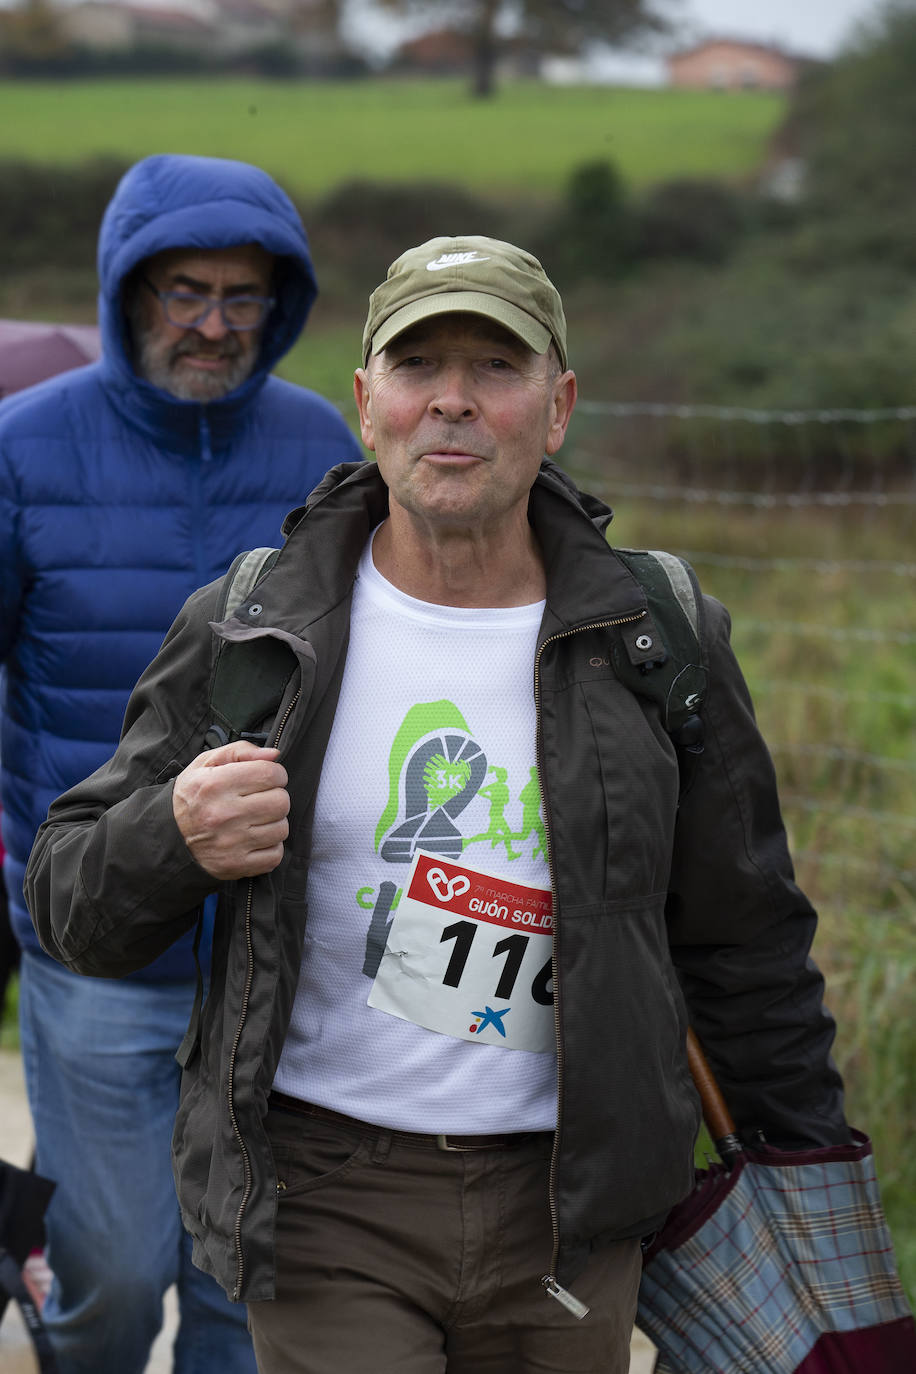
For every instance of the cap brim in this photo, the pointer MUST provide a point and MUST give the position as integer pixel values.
(518, 322)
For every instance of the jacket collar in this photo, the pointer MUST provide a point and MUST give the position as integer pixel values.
(179, 426)
(325, 538)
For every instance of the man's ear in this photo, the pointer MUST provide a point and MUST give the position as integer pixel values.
(565, 391)
(361, 394)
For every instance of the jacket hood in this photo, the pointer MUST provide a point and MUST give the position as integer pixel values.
(171, 201)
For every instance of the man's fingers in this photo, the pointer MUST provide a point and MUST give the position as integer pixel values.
(250, 864)
(244, 779)
(239, 751)
(228, 776)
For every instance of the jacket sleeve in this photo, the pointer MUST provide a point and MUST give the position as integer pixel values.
(740, 929)
(111, 883)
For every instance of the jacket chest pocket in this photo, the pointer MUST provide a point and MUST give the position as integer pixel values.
(612, 789)
(258, 681)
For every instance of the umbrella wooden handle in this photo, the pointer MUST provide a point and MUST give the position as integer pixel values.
(718, 1118)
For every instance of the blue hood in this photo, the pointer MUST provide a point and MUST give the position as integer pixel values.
(174, 201)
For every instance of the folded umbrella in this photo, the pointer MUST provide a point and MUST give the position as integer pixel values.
(779, 1262)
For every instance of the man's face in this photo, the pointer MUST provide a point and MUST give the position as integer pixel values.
(207, 361)
(459, 413)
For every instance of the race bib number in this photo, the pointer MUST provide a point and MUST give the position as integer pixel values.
(469, 955)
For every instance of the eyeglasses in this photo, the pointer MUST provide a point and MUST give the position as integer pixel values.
(188, 310)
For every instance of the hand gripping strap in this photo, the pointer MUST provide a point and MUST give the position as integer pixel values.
(241, 690)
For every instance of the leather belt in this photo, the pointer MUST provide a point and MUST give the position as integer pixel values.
(284, 1103)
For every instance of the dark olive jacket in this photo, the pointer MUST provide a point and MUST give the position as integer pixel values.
(661, 903)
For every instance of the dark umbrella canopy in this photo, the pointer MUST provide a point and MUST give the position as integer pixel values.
(31, 351)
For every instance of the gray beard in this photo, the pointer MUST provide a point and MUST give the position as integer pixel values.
(158, 368)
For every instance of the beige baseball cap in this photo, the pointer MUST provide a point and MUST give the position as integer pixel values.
(468, 275)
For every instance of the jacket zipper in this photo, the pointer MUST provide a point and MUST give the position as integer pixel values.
(243, 1148)
(553, 1288)
(204, 455)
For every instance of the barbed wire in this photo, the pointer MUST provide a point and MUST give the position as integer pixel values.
(856, 633)
(671, 410)
(839, 754)
(844, 694)
(860, 813)
(767, 500)
(823, 566)
(850, 876)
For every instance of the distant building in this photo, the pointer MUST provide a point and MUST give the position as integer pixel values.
(729, 64)
(216, 27)
(106, 27)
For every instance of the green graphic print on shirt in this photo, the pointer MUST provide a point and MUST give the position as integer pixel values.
(435, 770)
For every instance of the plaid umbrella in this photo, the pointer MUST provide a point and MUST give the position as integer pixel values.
(779, 1262)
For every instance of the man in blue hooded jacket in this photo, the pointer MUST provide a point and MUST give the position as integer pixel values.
(124, 486)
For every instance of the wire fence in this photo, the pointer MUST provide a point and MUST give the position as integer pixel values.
(804, 524)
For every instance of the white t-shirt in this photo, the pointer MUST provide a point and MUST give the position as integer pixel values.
(430, 777)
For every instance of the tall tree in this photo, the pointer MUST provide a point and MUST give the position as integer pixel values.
(538, 25)
(30, 34)
(854, 118)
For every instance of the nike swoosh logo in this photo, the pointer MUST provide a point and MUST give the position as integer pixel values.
(453, 260)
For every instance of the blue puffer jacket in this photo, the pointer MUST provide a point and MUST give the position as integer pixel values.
(117, 501)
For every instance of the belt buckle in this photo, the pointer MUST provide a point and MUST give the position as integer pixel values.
(442, 1144)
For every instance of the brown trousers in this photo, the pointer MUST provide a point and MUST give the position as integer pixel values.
(398, 1258)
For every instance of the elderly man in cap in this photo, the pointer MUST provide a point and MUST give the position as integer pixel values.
(440, 1089)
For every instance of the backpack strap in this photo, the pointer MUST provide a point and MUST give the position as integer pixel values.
(662, 656)
(248, 677)
(244, 683)
(245, 571)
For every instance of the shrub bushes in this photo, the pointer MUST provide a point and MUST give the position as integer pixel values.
(687, 218)
(51, 215)
(361, 226)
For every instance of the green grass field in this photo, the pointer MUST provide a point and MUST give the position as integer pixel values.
(314, 135)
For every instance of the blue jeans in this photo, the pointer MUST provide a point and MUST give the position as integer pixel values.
(103, 1089)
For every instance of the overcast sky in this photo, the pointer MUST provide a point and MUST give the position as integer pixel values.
(813, 27)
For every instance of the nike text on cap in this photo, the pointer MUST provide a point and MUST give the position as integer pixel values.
(470, 275)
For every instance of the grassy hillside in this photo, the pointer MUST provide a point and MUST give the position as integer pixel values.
(314, 135)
